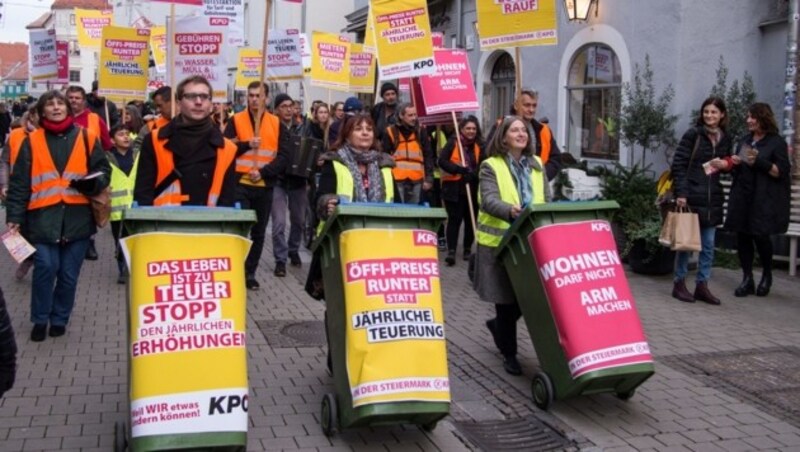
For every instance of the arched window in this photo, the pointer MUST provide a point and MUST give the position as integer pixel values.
(502, 91)
(594, 89)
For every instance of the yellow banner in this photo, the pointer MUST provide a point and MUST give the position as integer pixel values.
(123, 70)
(517, 23)
(158, 45)
(188, 363)
(330, 61)
(90, 23)
(369, 35)
(248, 68)
(403, 38)
(394, 309)
(362, 70)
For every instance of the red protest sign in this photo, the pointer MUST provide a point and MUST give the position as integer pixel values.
(62, 52)
(451, 87)
(592, 305)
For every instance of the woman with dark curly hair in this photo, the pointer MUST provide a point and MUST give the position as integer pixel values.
(758, 205)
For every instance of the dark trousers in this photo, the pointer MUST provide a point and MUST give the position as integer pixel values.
(116, 230)
(506, 327)
(260, 200)
(458, 213)
(434, 199)
(748, 244)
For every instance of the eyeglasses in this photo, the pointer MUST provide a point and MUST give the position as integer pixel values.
(195, 96)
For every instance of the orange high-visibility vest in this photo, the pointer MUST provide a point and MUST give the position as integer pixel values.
(455, 157)
(48, 187)
(407, 156)
(268, 132)
(173, 196)
(156, 123)
(15, 139)
(93, 123)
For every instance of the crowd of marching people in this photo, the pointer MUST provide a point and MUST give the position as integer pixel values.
(180, 148)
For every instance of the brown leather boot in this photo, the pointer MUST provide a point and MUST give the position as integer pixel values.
(680, 292)
(702, 293)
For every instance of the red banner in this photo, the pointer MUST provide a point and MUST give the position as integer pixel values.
(438, 119)
(592, 305)
(451, 87)
(62, 53)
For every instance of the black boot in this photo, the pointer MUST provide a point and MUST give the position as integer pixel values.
(702, 293)
(747, 287)
(764, 285)
(91, 252)
(680, 292)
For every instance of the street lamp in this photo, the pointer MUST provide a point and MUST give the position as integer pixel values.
(579, 9)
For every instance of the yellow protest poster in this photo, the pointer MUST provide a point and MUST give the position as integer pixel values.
(403, 38)
(90, 23)
(330, 61)
(188, 362)
(517, 23)
(394, 309)
(158, 45)
(124, 60)
(369, 35)
(248, 67)
(362, 69)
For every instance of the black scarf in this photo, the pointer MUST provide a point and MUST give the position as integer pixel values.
(192, 135)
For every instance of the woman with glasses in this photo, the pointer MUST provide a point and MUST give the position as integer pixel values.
(758, 205)
(702, 153)
(511, 177)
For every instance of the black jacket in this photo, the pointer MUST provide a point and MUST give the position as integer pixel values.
(759, 203)
(378, 113)
(453, 190)
(196, 167)
(703, 193)
(98, 106)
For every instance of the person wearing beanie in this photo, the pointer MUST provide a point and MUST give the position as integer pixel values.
(290, 194)
(352, 106)
(261, 159)
(385, 113)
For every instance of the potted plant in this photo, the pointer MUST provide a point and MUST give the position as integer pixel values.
(637, 223)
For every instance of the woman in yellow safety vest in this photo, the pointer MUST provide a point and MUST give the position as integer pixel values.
(510, 178)
(355, 171)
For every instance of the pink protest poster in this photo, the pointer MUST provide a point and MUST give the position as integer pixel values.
(592, 305)
(451, 87)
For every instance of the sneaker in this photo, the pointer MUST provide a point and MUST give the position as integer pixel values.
(252, 284)
(442, 244)
(39, 332)
(511, 365)
(294, 260)
(91, 252)
(57, 330)
(280, 269)
(23, 269)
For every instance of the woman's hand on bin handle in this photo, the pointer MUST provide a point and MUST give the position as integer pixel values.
(515, 211)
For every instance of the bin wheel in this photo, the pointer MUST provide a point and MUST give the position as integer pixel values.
(626, 395)
(329, 417)
(120, 440)
(542, 390)
(429, 426)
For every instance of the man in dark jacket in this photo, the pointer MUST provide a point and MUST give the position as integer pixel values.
(384, 113)
(97, 104)
(409, 145)
(8, 349)
(352, 106)
(202, 159)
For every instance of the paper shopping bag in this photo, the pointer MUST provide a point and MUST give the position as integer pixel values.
(687, 231)
(667, 235)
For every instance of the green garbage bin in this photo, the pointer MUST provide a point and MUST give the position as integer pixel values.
(569, 281)
(384, 318)
(187, 358)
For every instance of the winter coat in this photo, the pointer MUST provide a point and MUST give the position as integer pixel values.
(59, 222)
(703, 193)
(453, 190)
(8, 349)
(759, 203)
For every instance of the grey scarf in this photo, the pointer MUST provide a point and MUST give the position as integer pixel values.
(375, 192)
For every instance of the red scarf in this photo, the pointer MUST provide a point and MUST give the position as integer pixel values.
(56, 127)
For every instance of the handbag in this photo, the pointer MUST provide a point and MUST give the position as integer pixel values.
(686, 230)
(101, 202)
(667, 235)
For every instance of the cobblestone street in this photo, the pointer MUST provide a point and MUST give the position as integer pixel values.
(727, 377)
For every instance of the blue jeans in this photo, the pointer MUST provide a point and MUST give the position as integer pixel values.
(295, 200)
(705, 259)
(55, 278)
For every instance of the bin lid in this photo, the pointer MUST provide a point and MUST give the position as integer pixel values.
(562, 207)
(189, 214)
